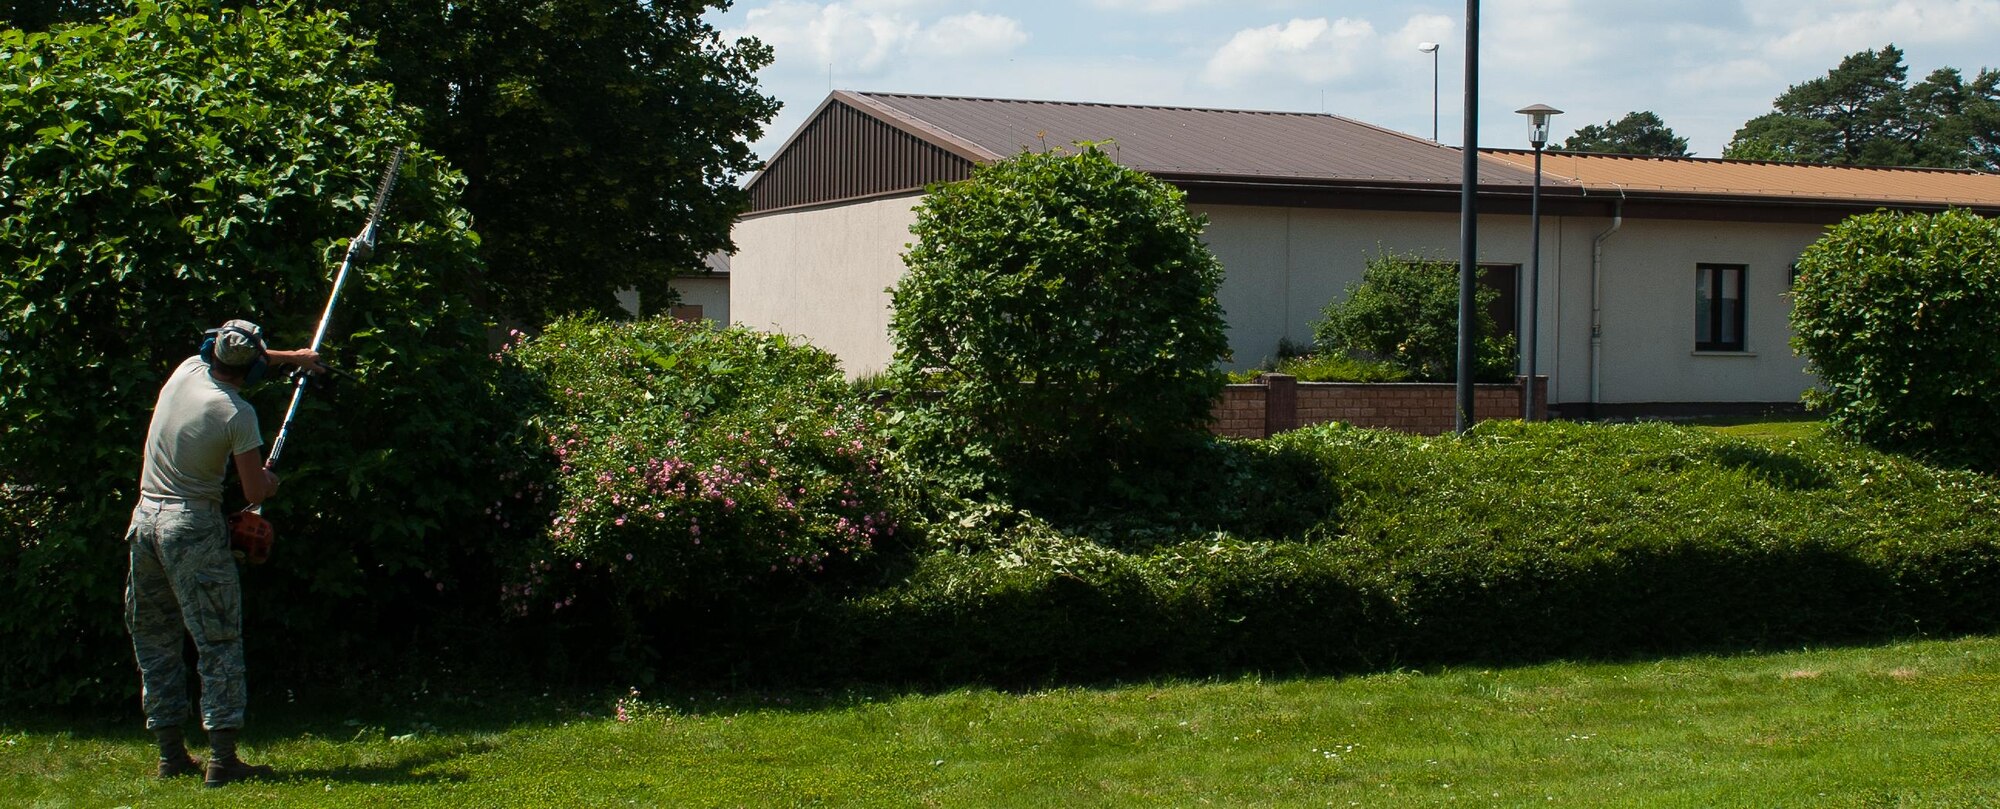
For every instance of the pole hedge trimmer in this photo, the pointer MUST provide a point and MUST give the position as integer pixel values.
(250, 535)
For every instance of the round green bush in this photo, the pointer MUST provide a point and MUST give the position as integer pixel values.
(1404, 311)
(1058, 326)
(1899, 317)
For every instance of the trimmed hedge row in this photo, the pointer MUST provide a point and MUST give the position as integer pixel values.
(1515, 543)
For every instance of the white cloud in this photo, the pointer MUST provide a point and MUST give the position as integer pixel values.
(1148, 6)
(1873, 24)
(869, 37)
(892, 6)
(834, 33)
(1705, 66)
(970, 34)
(1425, 28)
(1315, 50)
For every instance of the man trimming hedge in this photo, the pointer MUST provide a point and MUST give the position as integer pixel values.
(182, 578)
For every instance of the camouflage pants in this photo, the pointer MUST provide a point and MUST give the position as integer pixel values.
(182, 581)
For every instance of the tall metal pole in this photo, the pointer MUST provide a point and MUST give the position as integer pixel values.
(1468, 225)
(1534, 282)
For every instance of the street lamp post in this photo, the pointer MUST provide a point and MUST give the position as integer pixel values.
(1468, 222)
(1538, 118)
(1432, 49)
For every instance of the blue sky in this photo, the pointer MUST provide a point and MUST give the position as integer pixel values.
(1705, 66)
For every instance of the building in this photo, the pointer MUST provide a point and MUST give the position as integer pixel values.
(1663, 280)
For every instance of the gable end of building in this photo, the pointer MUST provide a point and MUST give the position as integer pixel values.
(846, 154)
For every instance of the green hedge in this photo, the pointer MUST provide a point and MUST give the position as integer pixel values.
(1515, 543)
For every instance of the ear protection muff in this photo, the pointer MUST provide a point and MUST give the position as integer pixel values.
(258, 367)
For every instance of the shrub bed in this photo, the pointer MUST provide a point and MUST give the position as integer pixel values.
(1326, 368)
(1517, 542)
(677, 465)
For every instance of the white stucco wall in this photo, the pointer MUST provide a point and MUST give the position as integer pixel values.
(710, 292)
(823, 274)
(1284, 265)
(1649, 310)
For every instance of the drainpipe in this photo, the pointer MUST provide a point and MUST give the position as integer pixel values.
(1597, 302)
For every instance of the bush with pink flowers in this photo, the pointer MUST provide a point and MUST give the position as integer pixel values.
(692, 462)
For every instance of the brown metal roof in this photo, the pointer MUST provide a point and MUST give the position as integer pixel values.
(868, 145)
(861, 145)
(1188, 142)
(1698, 177)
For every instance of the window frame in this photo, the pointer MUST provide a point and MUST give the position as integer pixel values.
(1714, 273)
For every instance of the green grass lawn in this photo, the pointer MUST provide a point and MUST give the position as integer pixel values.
(1911, 724)
(1781, 428)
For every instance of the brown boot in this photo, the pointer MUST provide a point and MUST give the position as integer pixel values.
(223, 765)
(223, 772)
(174, 759)
(175, 768)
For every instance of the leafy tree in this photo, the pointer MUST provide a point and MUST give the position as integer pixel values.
(38, 15)
(1638, 133)
(1955, 123)
(1864, 113)
(602, 139)
(1405, 311)
(162, 172)
(1898, 316)
(1058, 327)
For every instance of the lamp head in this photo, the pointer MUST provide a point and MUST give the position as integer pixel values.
(1427, 47)
(1538, 118)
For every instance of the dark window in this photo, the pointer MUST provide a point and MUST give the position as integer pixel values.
(1505, 310)
(1718, 307)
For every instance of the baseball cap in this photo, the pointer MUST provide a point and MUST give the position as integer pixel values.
(238, 343)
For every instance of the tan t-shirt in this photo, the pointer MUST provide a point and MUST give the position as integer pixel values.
(198, 425)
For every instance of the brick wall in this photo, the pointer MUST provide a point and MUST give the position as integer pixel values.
(1240, 413)
(1276, 402)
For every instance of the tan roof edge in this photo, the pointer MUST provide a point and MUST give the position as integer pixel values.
(914, 126)
(1497, 151)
